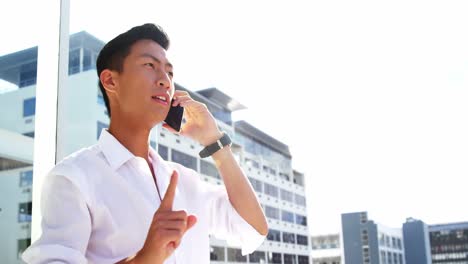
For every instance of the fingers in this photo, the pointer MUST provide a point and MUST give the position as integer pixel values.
(180, 99)
(173, 224)
(168, 127)
(191, 221)
(174, 229)
(168, 200)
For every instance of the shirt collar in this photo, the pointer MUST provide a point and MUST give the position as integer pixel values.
(115, 153)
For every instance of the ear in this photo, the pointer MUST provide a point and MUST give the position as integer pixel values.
(108, 79)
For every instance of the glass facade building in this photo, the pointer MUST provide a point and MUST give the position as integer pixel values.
(449, 243)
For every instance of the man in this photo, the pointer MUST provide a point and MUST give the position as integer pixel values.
(118, 200)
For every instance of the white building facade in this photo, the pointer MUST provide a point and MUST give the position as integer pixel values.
(266, 161)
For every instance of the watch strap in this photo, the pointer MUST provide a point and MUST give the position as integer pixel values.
(212, 148)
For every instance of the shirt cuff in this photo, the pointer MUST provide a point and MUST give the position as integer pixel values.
(250, 239)
(52, 254)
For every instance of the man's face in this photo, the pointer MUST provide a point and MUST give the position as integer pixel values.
(144, 88)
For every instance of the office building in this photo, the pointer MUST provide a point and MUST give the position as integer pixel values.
(266, 161)
(365, 241)
(326, 249)
(449, 243)
(417, 243)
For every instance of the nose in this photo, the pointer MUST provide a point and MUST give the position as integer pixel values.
(165, 82)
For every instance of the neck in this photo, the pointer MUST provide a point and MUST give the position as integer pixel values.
(132, 135)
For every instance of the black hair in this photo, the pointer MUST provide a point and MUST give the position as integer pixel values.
(115, 51)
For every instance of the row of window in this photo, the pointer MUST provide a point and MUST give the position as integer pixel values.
(256, 148)
(287, 216)
(267, 169)
(390, 242)
(443, 258)
(28, 71)
(286, 237)
(391, 257)
(234, 255)
(25, 212)
(74, 60)
(26, 178)
(449, 248)
(271, 190)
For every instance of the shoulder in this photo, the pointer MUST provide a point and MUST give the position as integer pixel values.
(77, 168)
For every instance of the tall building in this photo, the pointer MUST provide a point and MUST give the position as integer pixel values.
(365, 241)
(449, 243)
(266, 161)
(417, 243)
(326, 249)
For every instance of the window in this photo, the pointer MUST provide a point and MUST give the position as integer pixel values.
(286, 195)
(235, 255)
(303, 259)
(302, 240)
(274, 235)
(100, 127)
(26, 179)
(389, 258)
(284, 176)
(89, 60)
(272, 212)
(100, 99)
(74, 61)
(383, 257)
(289, 238)
(23, 244)
(287, 216)
(24, 212)
(300, 200)
(289, 259)
(274, 258)
(29, 134)
(252, 163)
(257, 257)
(29, 107)
(209, 169)
(271, 190)
(28, 74)
(256, 184)
(272, 171)
(184, 159)
(217, 253)
(163, 151)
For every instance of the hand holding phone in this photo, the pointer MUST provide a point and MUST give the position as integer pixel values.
(174, 117)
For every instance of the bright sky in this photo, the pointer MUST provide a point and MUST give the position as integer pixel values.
(371, 96)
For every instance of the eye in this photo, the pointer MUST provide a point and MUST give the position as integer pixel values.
(149, 64)
(171, 74)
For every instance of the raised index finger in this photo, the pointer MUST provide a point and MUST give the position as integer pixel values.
(168, 200)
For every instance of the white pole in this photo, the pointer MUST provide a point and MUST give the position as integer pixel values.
(52, 70)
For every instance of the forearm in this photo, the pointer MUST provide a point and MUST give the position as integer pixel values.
(240, 192)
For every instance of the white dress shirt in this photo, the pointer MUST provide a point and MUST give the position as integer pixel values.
(97, 206)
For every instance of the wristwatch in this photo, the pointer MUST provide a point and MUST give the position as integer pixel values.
(219, 144)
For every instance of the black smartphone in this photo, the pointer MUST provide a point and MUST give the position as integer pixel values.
(174, 117)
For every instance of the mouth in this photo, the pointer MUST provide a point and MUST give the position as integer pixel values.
(162, 99)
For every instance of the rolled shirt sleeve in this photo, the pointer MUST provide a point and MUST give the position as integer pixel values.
(226, 223)
(66, 224)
